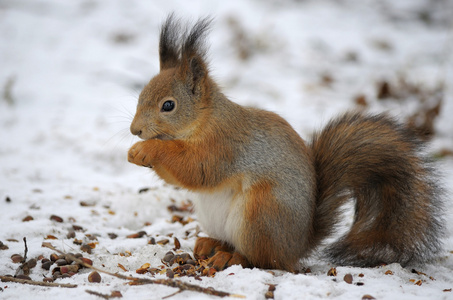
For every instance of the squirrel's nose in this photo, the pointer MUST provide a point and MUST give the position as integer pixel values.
(135, 131)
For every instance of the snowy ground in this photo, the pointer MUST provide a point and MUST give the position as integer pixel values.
(70, 74)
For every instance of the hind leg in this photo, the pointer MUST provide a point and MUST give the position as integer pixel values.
(219, 255)
(207, 247)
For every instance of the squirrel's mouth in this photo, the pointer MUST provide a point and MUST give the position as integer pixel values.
(161, 136)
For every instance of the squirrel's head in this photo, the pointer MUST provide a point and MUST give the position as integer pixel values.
(170, 105)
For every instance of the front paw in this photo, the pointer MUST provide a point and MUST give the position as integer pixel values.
(139, 154)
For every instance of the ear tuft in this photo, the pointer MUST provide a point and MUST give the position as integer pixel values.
(169, 43)
(194, 41)
(185, 50)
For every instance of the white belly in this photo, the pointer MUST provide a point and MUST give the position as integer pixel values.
(220, 214)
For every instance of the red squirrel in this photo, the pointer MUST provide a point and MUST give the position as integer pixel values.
(266, 197)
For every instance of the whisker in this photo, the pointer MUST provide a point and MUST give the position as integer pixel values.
(122, 134)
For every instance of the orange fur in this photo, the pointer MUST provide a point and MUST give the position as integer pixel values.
(180, 163)
(261, 246)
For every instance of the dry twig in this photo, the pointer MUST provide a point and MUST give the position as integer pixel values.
(23, 268)
(32, 282)
(99, 294)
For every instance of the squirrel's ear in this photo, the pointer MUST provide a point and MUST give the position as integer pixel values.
(194, 73)
(168, 43)
(193, 67)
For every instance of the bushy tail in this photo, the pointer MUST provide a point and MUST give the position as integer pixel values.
(377, 162)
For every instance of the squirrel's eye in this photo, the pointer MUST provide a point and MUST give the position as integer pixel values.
(168, 106)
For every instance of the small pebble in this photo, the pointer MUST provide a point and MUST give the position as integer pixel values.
(54, 257)
(86, 248)
(168, 257)
(17, 258)
(61, 262)
(272, 287)
(112, 236)
(177, 243)
(116, 294)
(77, 228)
(46, 265)
(348, 278)
(332, 272)
(170, 274)
(94, 277)
(87, 261)
(143, 190)
(187, 266)
(185, 257)
(136, 235)
(163, 242)
(32, 263)
(3, 246)
(27, 218)
(56, 218)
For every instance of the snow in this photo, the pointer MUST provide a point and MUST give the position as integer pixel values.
(70, 75)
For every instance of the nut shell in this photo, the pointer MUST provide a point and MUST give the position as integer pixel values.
(94, 277)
